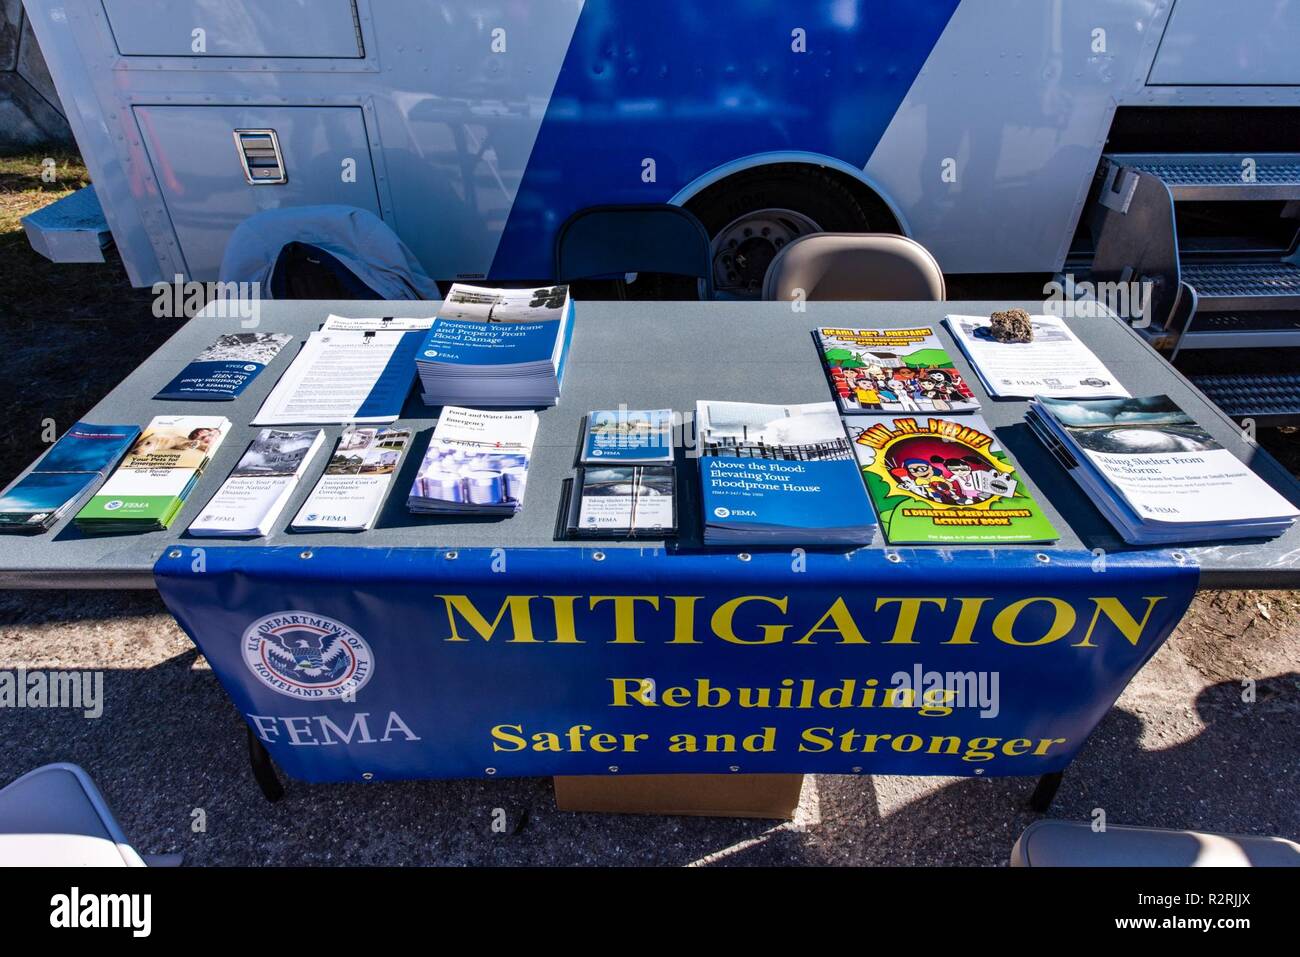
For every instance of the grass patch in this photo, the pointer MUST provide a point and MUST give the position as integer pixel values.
(69, 332)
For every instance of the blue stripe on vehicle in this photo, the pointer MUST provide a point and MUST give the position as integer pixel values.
(694, 85)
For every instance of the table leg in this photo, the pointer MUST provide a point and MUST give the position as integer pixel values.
(1041, 799)
(263, 769)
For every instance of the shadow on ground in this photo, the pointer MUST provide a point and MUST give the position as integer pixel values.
(170, 744)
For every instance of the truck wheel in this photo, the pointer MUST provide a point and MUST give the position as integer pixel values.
(753, 215)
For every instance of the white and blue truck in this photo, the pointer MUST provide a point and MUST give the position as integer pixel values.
(1152, 141)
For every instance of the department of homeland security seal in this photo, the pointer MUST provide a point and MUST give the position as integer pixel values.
(307, 656)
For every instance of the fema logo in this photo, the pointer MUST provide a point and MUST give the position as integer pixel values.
(114, 505)
(307, 656)
(721, 512)
(597, 453)
(250, 368)
(431, 353)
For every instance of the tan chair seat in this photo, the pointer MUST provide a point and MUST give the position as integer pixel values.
(854, 267)
(1076, 844)
(56, 817)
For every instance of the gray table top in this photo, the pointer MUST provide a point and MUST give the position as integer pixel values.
(645, 355)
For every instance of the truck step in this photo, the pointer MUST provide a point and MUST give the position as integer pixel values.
(1243, 286)
(1216, 177)
(71, 230)
(1268, 399)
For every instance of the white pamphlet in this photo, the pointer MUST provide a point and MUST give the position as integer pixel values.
(1056, 363)
(350, 493)
(344, 376)
(399, 323)
(251, 499)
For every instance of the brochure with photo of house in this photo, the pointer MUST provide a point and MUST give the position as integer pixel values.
(1055, 363)
(252, 497)
(937, 481)
(224, 369)
(1155, 473)
(156, 476)
(892, 370)
(628, 437)
(476, 464)
(77, 461)
(779, 474)
(347, 498)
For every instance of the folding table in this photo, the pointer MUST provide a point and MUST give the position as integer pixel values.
(645, 355)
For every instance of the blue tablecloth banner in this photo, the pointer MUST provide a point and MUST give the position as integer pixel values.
(369, 663)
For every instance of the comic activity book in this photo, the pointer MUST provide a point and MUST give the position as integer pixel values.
(892, 370)
(944, 481)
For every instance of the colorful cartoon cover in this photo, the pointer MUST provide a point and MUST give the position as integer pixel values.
(944, 481)
(893, 370)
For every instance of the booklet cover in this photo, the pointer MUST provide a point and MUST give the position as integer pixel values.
(624, 502)
(78, 460)
(486, 304)
(224, 369)
(350, 493)
(1156, 473)
(779, 474)
(252, 497)
(477, 462)
(944, 481)
(628, 437)
(157, 475)
(1055, 363)
(893, 370)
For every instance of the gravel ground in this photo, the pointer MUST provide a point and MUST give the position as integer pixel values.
(1180, 749)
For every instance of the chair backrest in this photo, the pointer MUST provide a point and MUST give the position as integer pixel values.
(653, 238)
(854, 266)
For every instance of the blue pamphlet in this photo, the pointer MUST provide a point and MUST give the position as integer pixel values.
(77, 461)
(773, 474)
(629, 437)
(224, 369)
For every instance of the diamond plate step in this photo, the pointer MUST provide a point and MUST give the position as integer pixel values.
(1234, 286)
(1211, 177)
(1269, 399)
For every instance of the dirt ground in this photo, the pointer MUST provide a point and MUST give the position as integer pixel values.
(1204, 737)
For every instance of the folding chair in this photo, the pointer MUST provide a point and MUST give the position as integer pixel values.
(56, 817)
(854, 267)
(601, 242)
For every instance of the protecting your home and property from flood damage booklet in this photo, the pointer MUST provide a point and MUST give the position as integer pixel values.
(224, 369)
(944, 481)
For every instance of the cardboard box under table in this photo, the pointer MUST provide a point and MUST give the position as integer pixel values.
(644, 355)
